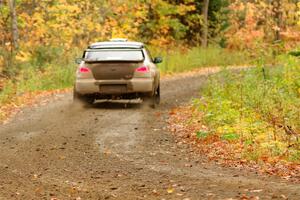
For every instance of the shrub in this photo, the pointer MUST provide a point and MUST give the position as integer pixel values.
(261, 105)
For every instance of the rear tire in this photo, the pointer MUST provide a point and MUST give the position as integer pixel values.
(81, 99)
(155, 99)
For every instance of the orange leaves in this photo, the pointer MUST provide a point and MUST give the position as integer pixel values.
(255, 23)
(292, 37)
(244, 34)
(12, 107)
(184, 122)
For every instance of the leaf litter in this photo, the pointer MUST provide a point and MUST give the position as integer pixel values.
(185, 122)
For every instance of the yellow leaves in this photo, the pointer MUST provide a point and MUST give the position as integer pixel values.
(23, 56)
(64, 10)
(161, 41)
(122, 9)
(79, 22)
(260, 138)
(1, 65)
(60, 24)
(164, 29)
(272, 148)
(37, 19)
(183, 9)
(298, 13)
(170, 190)
(117, 33)
(140, 14)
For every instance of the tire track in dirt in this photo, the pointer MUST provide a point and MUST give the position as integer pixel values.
(108, 152)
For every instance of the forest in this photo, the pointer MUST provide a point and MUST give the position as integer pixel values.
(258, 108)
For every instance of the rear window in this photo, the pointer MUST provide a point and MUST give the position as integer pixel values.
(115, 54)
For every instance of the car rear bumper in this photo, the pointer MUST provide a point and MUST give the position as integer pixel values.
(92, 86)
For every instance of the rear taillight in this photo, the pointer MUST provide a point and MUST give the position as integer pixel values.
(143, 69)
(84, 70)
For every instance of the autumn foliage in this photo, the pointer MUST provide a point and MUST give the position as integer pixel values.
(68, 24)
(256, 110)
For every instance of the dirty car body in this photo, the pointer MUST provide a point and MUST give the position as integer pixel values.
(117, 70)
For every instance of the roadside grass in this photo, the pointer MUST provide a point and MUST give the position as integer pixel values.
(256, 109)
(30, 83)
(181, 60)
(51, 68)
(31, 78)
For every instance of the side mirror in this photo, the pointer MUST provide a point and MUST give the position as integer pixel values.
(157, 60)
(78, 60)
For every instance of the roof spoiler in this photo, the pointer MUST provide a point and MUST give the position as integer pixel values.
(118, 40)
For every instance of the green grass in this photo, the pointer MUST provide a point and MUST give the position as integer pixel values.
(261, 106)
(52, 68)
(54, 77)
(179, 60)
(40, 74)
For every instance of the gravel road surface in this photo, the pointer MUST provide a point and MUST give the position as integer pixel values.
(58, 151)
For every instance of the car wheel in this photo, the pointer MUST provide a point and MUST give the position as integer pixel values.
(155, 99)
(81, 99)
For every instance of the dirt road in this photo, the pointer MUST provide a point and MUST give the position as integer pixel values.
(109, 152)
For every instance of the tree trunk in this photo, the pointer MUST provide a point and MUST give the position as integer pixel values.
(14, 23)
(205, 23)
(277, 18)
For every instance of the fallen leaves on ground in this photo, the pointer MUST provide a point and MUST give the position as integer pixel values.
(170, 190)
(184, 122)
(13, 107)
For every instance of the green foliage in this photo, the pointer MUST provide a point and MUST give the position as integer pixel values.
(230, 136)
(44, 55)
(202, 134)
(178, 60)
(259, 106)
(7, 92)
(53, 68)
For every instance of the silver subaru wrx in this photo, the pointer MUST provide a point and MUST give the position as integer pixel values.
(117, 70)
